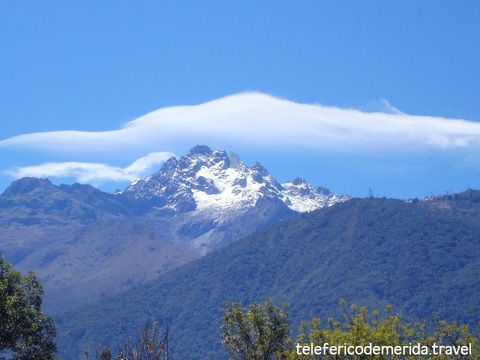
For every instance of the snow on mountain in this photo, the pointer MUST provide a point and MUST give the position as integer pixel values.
(214, 181)
(303, 197)
(89, 244)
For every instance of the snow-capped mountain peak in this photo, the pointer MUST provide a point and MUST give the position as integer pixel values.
(304, 197)
(207, 180)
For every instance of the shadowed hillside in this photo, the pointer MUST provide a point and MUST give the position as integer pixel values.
(422, 257)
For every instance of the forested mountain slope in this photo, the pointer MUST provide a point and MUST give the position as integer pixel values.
(421, 256)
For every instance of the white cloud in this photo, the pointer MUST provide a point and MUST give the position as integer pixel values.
(381, 106)
(256, 119)
(86, 172)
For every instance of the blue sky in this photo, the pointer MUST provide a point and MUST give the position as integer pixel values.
(93, 66)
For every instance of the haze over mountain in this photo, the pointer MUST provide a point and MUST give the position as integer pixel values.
(421, 256)
(85, 244)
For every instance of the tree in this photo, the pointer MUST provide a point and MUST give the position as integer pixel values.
(259, 332)
(26, 333)
(361, 328)
(106, 354)
(151, 343)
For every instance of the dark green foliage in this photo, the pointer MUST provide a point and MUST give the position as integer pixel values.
(25, 331)
(259, 332)
(424, 258)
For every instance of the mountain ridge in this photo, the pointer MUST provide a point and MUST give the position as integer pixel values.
(81, 241)
(368, 251)
(210, 172)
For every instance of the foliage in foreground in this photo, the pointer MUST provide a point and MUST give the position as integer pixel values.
(26, 333)
(151, 343)
(260, 332)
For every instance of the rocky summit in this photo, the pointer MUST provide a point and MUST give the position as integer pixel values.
(214, 180)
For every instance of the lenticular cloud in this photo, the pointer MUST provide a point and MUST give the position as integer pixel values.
(262, 120)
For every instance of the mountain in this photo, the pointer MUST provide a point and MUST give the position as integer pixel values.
(217, 198)
(84, 243)
(207, 180)
(421, 256)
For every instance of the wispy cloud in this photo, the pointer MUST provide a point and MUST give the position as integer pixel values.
(261, 120)
(381, 106)
(86, 172)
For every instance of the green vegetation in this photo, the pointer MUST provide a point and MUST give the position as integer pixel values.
(260, 332)
(424, 259)
(26, 333)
